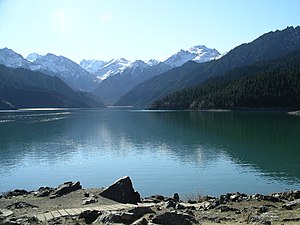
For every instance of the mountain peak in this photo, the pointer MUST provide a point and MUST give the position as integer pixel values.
(198, 53)
(33, 56)
(12, 59)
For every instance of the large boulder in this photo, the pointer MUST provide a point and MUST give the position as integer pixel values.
(122, 191)
(116, 217)
(174, 218)
(66, 188)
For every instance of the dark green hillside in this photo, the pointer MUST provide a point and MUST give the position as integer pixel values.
(266, 84)
(269, 46)
(21, 88)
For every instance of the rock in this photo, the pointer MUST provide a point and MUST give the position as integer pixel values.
(43, 192)
(170, 204)
(16, 192)
(140, 211)
(176, 197)
(7, 222)
(225, 208)
(89, 200)
(65, 188)
(116, 217)
(180, 206)
(289, 195)
(174, 218)
(294, 219)
(212, 205)
(158, 197)
(86, 194)
(263, 209)
(122, 191)
(192, 201)
(292, 204)
(141, 221)
(20, 205)
(266, 198)
(89, 215)
(5, 213)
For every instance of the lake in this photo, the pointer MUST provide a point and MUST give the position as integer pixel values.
(162, 151)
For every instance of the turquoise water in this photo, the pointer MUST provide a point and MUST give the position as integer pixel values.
(163, 152)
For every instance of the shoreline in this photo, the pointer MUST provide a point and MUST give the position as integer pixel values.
(69, 203)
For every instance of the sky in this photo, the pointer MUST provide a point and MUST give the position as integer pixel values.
(137, 29)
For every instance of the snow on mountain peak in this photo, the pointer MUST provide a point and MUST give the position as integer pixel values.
(33, 56)
(111, 68)
(12, 59)
(152, 62)
(199, 53)
(92, 65)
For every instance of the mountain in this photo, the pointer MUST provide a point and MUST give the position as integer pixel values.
(92, 66)
(264, 84)
(113, 87)
(33, 56)
(198, 54)
(269, 46)
(69, 71)
(22, 88)
(12, 59)
(111, 68)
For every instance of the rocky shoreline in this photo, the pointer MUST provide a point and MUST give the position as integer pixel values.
(119, 203)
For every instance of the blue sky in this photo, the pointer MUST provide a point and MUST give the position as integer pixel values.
(137, 29)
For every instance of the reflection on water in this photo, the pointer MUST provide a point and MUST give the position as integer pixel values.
(163, 152)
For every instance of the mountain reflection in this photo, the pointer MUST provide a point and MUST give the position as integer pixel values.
(267, 142)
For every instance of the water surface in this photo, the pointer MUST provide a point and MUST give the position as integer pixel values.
(162, 151)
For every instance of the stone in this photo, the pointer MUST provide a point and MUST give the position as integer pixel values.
(66, 188)
(89, 200)
(176, 197)
(263, 209)
(170, 204)
(293, 219)
(20, 205)
(180, 206)
(174, 218)
(140, 211)
(122, 191)
(158, 197)
(225, 208)
(292, 204)
(89, 216)
(141, 221)
(16, 192)
(43, 192)
(5, 213)
(267, 198)
(116, 217)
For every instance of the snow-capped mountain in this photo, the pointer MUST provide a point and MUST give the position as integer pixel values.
(103, 69)
(93, 65)
(12, 59)
(69, 71)
(113, 67)
(33, 56)
(199, 53)
(113, 87)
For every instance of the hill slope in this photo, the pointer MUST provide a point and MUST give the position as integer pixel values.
(21, 88)
(113, 87)
(265, 84)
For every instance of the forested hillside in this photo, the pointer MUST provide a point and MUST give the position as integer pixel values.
(265, 84)
(268, 46)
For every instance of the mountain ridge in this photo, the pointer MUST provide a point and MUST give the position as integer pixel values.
(23, 88)
(270, 45)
